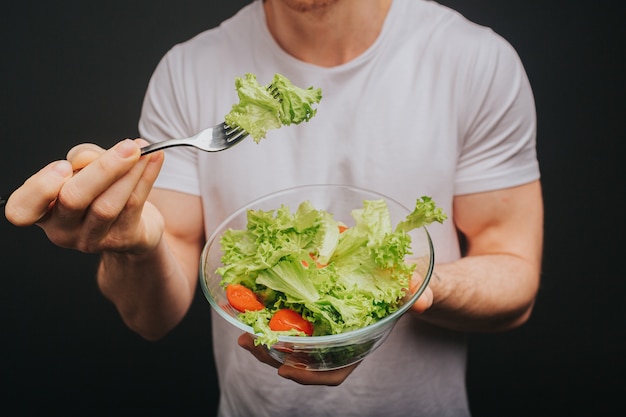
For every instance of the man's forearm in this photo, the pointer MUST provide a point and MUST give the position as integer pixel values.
(485, 293)
(151, 291)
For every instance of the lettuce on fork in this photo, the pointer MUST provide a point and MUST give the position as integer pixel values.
(337, 281)
(279, 103)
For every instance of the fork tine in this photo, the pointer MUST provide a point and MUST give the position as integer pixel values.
(229, 130)
(234, 133)
(274, 91)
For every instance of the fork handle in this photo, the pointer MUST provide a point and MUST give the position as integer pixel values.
(157, 146)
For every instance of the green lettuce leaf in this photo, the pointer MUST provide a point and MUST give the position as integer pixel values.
(279, 103)
(425, 212)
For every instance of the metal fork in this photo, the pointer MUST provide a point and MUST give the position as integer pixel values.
(212, 139)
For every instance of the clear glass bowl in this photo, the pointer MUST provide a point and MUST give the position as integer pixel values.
(331, 351)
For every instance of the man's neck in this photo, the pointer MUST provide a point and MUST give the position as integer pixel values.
(328, 35)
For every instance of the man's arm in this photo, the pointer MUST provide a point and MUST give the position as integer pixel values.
(153, 291)
(96, 202)
(493, 287)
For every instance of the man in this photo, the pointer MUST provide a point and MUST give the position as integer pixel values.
(416, 101)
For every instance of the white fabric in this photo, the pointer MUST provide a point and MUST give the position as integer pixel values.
(438, 106)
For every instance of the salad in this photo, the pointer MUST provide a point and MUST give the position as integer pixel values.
(305, 273)
(279, 103)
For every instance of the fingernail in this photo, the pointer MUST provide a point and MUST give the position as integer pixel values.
(63, 168)
(126, 148)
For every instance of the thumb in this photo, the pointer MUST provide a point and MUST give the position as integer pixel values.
(424, 301)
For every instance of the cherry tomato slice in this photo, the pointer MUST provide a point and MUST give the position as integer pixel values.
(287, 319)
(243, 298)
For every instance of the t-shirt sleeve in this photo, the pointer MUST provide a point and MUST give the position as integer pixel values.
(163, 117)
(498, 148)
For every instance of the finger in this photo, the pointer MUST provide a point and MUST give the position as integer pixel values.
(84, 187)
(116, 205)
(150, 167)
(246, 341)
(31, 202)
(139, 179)
(82, 155)
(120, 207)
(150, 172)
(139, 212)
(302, 376)
(131, 191)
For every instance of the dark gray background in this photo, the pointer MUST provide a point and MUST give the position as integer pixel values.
(75, 71)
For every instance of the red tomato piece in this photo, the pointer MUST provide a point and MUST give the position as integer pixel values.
(287, 319)
(243, 298)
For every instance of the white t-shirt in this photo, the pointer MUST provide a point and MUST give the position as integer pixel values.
(437, 106)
